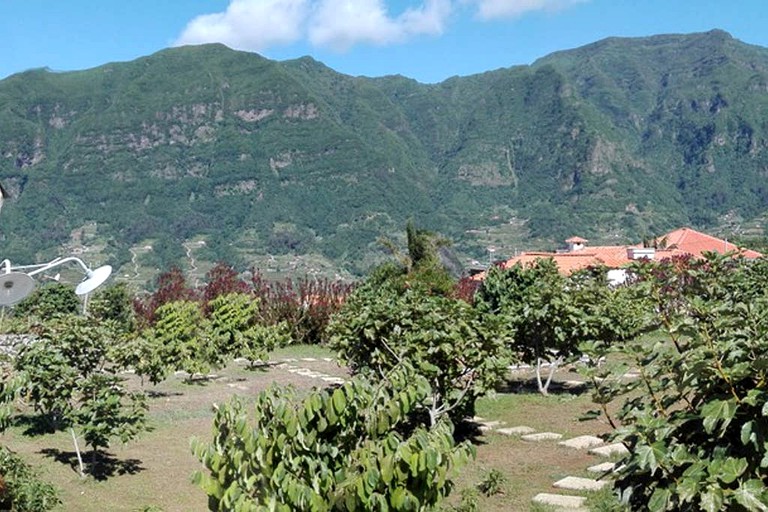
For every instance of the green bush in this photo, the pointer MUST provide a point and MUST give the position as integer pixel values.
(21, 489)
(696, 420)
(448, 342)
(355, 447)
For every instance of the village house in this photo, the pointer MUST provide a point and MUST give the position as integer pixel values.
(579, 254)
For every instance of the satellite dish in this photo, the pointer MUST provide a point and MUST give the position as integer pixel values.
(14, 286)
(95, 279)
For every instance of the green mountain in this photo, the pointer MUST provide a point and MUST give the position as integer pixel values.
(204, 153)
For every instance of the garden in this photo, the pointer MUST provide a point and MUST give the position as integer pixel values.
(391, 394)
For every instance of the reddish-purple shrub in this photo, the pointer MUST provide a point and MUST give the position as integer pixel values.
(170, 286)
(307, 304)
(220, 280)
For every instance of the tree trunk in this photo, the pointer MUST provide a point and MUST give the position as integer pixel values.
(77, 451)
(553, 365)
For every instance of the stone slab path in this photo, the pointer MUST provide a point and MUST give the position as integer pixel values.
(609, 450)
(575, 483)
(520, 430)
(542, 436)
(602, 468)
(285, 364)
(582, 442)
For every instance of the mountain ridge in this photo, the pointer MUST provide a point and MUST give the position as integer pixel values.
(620, 139)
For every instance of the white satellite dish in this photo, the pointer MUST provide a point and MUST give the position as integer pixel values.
(94, 279)
(14, 286)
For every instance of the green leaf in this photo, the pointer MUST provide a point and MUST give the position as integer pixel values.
(339, 401)
(712, 499)
(718, 411)
(650, 455)
(732, 469)
(659, 500)
(752, 495)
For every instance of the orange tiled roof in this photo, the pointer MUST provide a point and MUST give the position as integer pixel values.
(577, 240)
(696, 243)
(678, 243)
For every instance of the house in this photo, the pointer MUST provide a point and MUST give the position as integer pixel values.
(696, 244)
(579, 255)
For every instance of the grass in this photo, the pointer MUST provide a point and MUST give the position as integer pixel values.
(155, 470)
(530, 468)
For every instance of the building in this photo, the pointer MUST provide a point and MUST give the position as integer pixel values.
(580, 255)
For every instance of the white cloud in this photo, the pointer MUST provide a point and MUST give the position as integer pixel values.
(491, 9)
(258, 24)
(250, 24)
(343, 23)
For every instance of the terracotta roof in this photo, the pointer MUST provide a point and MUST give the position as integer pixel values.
(696, 243)
(677, 243)
(577, 240)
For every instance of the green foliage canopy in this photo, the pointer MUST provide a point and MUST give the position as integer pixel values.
(344, 449)
(695, 420)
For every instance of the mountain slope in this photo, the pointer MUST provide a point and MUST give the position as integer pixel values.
(619, 139)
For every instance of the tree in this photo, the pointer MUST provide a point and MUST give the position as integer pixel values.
(533, 306)
(449, 343)
(114, 304)
(551, 316)
(234, 330)
(68, 377)
(50, 300)
(695, 422)
(421, 266)
(354, 447)
(171, 286)
(175, 342)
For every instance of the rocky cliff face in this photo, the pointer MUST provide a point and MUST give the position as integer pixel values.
(619, 139)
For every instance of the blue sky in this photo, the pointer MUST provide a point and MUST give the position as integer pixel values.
(429, 40)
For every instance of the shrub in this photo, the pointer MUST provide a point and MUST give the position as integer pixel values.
(52, 299)
(695, 422)
(455, 348)
(305, 305)
(355, 447)
(21, 489)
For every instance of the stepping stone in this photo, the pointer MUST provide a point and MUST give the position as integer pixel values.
(328, 359)
(333, 380)
(575, 483)
(478, 419)
(488, 425)
(240, 360)
(582, 442)
(294, 370)
(290, 360)
(516, 431)
(631, 375)
(610, 449)
(574, 383)
(602, 468)
(560, 500)
(520, 367)
(542, 436)
(309, 373)
(308, 359)
(281, 365)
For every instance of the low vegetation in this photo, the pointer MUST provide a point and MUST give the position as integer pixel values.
(424, 352)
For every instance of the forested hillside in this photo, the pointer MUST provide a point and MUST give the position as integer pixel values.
(244, 157)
